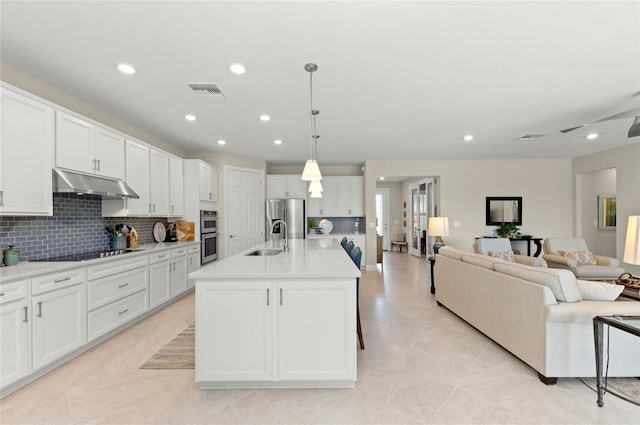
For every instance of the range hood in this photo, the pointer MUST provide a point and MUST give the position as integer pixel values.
(70, 182)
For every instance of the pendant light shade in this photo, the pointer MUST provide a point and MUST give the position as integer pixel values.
(311, 170)
(316, 194)
(315, 186)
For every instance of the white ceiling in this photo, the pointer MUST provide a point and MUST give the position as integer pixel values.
(396, 80)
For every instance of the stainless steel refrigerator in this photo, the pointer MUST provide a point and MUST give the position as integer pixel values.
(292, 212)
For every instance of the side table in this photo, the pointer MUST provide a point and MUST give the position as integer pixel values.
(630, 324)
(432, 261)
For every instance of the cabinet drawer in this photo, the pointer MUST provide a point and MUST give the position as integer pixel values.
(115, 266)
(113, 315)
(179, 252)
(111, 288)
(13, 291)
(57, 280)
(159, 256)
(192, 249)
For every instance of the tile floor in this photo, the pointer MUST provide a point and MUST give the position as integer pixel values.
(422, 365)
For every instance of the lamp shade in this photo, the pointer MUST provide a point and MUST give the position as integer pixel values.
(311, 171)
(438, 226)
(316, 195)
(315, 186)
(632, 244)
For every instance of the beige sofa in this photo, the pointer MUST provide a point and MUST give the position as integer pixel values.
(536, 313)
(604, 267)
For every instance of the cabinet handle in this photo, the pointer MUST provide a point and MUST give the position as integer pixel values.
(26, 317)
(172, 209)
(280, 296)
(1, 198)
(162, 256)
(98, 164)
(349, 211)
(321, 212)
(94, 165)
(39, 309)
(268, 296)
(174, 267)
(191, 261)
(149, 207)
(231, 236)
(154, 207)
(123, 285)
(123, 312)
(62, 280)
(2, 294)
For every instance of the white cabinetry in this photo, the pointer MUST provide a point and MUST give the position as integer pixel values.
(159, 278)
(87, 148)
(159, 183)
(286, 186)
(178, 270)
(208, 182)
(26, 143)
(306, 327)
(325, 206)
(242, 352)
(59, 315)
(176, 187)
(342, 196)
(116, 294)
(15, 328)
(193, 261)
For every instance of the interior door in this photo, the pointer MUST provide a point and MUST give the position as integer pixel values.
(244, 209)
(382, 216)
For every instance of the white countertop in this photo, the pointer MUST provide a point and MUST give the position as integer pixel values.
(334, 235)
(25, 269)
(306, 258)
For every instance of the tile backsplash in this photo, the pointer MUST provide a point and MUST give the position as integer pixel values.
(344, 224)
(76, 226)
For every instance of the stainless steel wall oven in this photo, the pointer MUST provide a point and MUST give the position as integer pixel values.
(208, 236)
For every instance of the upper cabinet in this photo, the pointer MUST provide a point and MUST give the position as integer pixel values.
(26, 142)
(208, 181)
(286, 186)
(159, 183)
(176, 186)
(87, 148)
(342, 196)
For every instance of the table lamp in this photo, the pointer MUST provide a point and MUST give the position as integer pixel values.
(438, 227)
(632, 243)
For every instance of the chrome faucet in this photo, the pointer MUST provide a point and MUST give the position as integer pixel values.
(285, 247)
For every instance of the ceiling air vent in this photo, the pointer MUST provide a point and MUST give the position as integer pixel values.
(207, 90)
(529, 137)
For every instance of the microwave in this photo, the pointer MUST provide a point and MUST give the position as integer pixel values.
(208, 222)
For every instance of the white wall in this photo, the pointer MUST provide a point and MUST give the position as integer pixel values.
(626, 161)
(544, 184)
(395, 208)
(602, 182)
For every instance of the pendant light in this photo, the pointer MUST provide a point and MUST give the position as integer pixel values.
(315, 187)
(311, 170)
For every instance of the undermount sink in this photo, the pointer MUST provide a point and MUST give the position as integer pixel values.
(262, 252)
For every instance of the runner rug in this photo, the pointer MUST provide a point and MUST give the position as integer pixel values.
(179, 353)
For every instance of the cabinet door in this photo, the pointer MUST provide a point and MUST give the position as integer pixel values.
(159, 283)
(356, 196)
(15, 350)
(74, 143)
(26, 157)
(330, 196)
(296, 187)
(176, 187)
(159, 183)
(59, 323)
(317, 330)
(244, 351)
(193, 264)
(109, 153)
(137, 176)
(178, 275)
(343, 203)
(314, 206)
(277, 187)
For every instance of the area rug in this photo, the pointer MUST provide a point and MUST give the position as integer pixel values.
(626, 387)
(179, 353)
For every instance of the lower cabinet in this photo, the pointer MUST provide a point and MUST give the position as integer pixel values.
(178, 271)
(304, 328)
(59, 323)
(159, 279)
(111, 316)
(15, 350)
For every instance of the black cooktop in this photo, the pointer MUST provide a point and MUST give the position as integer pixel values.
(82, 256)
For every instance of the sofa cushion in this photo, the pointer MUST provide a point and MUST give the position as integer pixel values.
(451, 252)
(581, 257)
(597, 272)
(503, 255)
(561, 282)
(599, 291)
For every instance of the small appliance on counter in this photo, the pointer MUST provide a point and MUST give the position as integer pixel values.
(11, 256)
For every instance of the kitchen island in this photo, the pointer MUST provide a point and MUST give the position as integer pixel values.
(277, 321)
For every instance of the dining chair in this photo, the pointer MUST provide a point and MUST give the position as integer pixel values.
(349, 247)
(356, 256)
(343, 242)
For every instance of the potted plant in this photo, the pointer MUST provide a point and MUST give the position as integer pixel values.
(509, 230)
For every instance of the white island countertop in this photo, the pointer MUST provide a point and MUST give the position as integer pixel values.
(308, 258)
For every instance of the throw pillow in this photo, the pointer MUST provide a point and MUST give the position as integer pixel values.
(599, 291)
(503, 255)
(581, 257)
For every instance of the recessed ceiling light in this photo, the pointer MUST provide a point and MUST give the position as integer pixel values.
(265, 117)
(381, 178)
(237, 68)
(190, 117)
(222, 142)
(468, 137)
(592, 136)
(125, 68)
(277, 142)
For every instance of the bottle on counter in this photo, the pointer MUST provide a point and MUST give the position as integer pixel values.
(357, 228)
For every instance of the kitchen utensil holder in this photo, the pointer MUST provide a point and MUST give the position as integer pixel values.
(118, 242)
